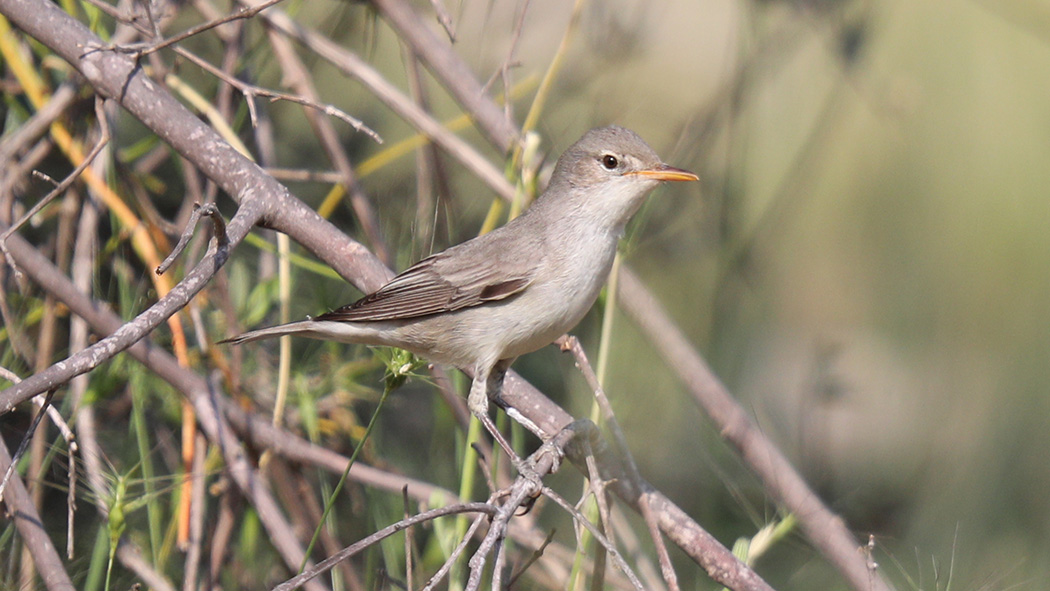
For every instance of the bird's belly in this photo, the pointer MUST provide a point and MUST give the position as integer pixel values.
(554, 307)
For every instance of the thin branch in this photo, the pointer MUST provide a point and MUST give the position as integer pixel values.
(31, 530)
(429, 172)
(445, 18)
(351, 64)
(572, 344)
(71, 502)
(826, 530)
(208, 210)
(39, 123)
(243, 13)
(251, 90)
(450, 70)
(327, 564)
(532, 559)
(297, 77)
(61, 187)
(678, 526)
(597, 488)
(14, 172)
(52, 413)
(22, 445)
(520, 495)
(193, 553)
(133, 331)
(504, 70)
(131, 557)
(306, 497)
(652, 525)
(581, 519)
(453, 556)
(409, 542)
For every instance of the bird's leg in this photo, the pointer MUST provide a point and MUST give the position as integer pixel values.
(487, 383)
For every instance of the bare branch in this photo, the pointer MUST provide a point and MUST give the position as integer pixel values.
(193, 553)
(409, 542)
(354, 66)
(327, 564)
(133, 331)
(453, 556)
(825, 529)
(31, 530)
(593, 529)
(297, 77)
(39, 123)
(445, 18)
(572, 344)
(450, 70)
(22, 445)
(243, 13)
(208, 210)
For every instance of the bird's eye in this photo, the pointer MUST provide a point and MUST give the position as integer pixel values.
(610, 162)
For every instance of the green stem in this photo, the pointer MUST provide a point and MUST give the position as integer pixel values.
(392, 382)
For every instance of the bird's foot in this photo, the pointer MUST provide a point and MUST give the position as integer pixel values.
(525, 467)
(547, 458)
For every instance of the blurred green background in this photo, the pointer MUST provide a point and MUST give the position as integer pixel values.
(866, 265)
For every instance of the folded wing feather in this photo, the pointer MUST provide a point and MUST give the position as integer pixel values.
(432, 287)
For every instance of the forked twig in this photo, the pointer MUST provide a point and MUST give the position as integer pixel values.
(218, 225)
(525, 489)
(244, 13)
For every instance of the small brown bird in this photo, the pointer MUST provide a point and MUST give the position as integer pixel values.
(482, 303)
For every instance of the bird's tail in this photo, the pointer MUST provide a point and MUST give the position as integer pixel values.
(302, 327)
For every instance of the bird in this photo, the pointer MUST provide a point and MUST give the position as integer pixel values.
(481, 304)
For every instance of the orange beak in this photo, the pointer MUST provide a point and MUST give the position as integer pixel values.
(664, 172)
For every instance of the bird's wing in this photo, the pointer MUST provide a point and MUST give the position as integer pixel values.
(442, 283)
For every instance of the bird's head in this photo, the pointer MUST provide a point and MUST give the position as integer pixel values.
(607, 173)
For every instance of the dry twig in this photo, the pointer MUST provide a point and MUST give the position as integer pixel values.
(327, 564)
(61, 187)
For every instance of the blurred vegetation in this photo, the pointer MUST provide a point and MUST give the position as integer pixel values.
(864, 265)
